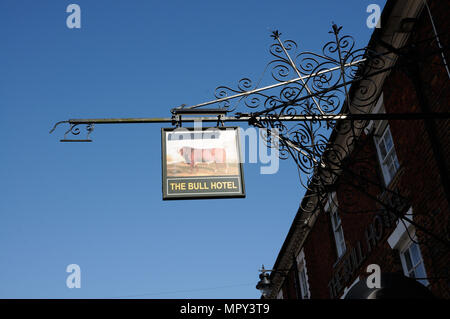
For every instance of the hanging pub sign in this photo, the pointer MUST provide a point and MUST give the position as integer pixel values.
(201, 163)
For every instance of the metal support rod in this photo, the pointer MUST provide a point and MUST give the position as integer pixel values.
(444, 60)
(247, 117)
(432, 131)
(305, 85)
(398, 214)
(335, 87)
(275, 85)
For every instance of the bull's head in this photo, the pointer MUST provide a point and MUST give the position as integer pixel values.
(183, 150)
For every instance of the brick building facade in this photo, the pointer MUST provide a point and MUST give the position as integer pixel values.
(328, 252)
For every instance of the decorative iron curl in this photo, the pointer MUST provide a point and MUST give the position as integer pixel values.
(244, 86)
(313, 84)
(74, 130)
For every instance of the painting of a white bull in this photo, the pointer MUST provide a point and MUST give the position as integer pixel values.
(192, 156)
(202, 157)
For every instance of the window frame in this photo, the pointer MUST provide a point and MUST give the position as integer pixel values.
(401, 239)
(390, 159)
(347, 289)
(332, 208)
(280, 294)
(406, 247)
(378, 127)
(303, 281)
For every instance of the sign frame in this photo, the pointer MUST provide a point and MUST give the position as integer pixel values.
(216, 195)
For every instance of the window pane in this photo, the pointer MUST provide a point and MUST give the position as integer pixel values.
(392, 170)
(388, 140)
(303, 278)
(420, 271)
(415, 254)
(342, 247)
(341, 236)
(303, 283)
(382, 149)
(336, 220)
(414, 263)
(340, 242)
(337, 231)
(407, 260)
(392, 158)
(424, 282)
(280, 294)
(391, 164)
(395, 160)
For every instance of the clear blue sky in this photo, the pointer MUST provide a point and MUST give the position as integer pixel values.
(99, 205)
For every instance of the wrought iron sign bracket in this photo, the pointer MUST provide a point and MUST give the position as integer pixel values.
(331, 91)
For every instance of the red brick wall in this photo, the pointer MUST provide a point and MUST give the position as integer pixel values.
(320, 254)
(421, 181)
(419, 178)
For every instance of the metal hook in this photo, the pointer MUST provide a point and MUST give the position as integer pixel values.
(176, 120)
(54, 127)
(220, 121)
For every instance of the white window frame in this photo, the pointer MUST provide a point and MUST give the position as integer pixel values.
(303, 280)
(280, 294)
(347, 289)
(406, 247)
(379, 108)
(381, 128)
(390, 160)
(401, 240)
(336, 223)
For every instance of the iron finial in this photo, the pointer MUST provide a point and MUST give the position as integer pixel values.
(336, 28)
(276, 34)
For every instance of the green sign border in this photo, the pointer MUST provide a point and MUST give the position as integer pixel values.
(200, 195)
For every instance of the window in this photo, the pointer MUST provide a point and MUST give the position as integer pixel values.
(410, 256)
(384, 143)
(347, 289)
(386, 154)
(412, 262)
(280, 294)
(336, 224)
(303, 276)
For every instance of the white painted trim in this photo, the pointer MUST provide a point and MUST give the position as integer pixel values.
(405, 244)
(280, 294)
(400, 241)
(380, 130)
(400, 234)
(379, 108)
(331, 198)
(300, 259)
(346, 289)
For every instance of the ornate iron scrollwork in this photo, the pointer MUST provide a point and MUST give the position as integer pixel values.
(74, 130)
(326, 90)
(339, 80)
